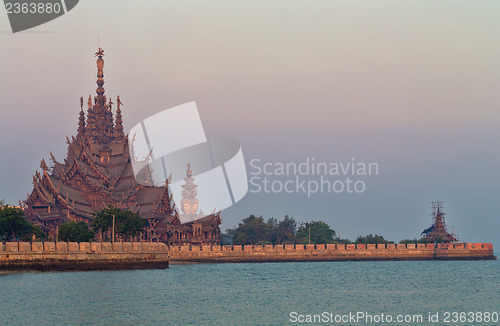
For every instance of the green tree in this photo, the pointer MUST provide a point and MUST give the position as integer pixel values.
(103, 219)
(127, 223)
(130, 224)
(371, 239)
(251, 230)
(286, 230)
(13, 226)
(320, 233)
(254, 230)
(270, 236)
(74, 232)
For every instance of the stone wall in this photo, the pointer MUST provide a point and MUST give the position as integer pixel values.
(331, 252)
(119, 255)
(83, 255)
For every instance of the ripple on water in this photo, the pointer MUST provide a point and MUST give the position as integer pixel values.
(247, 294)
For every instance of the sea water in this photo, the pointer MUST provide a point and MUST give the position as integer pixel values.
(258, 294)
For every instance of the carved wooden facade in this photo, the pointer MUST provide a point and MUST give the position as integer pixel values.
(97, 172)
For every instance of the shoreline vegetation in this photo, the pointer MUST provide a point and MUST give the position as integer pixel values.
(128, 226)
(24, 246)
(255, 230)
(107, 223)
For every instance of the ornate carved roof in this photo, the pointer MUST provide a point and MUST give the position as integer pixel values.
(97, 170)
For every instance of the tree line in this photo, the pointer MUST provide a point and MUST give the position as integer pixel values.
(256, 230)
(14, 227)
(252, 230)
(127, 225)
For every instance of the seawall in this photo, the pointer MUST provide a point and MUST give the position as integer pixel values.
(142, 255)
(331, 252)
(82, 256)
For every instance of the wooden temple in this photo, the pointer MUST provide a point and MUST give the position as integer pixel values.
(438, 232)
(97, 173)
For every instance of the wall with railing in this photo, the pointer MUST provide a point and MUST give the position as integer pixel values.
(332, 252)
(83, 255)
(100, 254)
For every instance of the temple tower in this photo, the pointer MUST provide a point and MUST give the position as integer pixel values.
(97, 172)
(437, 232)
(189, 202)
(101, 111)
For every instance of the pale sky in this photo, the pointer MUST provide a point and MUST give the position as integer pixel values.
(411, 85)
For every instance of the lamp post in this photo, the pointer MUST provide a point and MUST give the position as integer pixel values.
(113, 232)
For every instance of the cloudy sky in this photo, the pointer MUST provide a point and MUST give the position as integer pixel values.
(410, 85)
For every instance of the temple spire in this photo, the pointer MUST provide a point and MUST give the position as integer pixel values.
(90, 118)
(118, 121)
(189, 202)
(81, 120)
(102, 116)
(101, 101)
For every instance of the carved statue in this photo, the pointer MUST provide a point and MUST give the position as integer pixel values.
(99, 53)
(118, 101)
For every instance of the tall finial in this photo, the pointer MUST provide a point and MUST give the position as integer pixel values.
(90, 119)
(189, 202)
(81, 120)
(118, 120)
(100, 52)
(100, 77)
(118, 102)
(102, 116)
